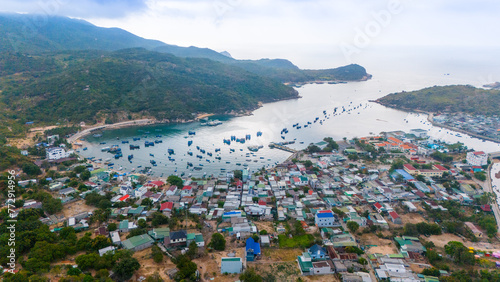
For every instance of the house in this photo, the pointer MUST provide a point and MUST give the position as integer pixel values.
(339, 266)
(378, 207)
(474, 229)
(171, 190)
(252, 249)
(324, 219)
(167, 206)
(103, 251)
(67, 191)
(411, 206)
(115, 238)
(265, 241)
(317, 252)
(187, 191)
(56, 153)
(126, 226)
(159, 234)
(176, 239)
(195, 237)
(477, 158)
(231, 265)
(323, 267)
(138, 243)
(394, 216)
(419, 133)
(305, 263)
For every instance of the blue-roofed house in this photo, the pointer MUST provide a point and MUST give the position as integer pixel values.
(324, 218)
(317, 252)
(252, 249)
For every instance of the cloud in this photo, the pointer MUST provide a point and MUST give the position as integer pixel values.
(79, 9)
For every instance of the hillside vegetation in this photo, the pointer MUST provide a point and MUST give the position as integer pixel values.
(453, 98)
(86, 86)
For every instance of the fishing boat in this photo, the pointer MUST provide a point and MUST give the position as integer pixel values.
(97, 135)
(133, 147)
(130, 157)
(119, 155)
(259, 133)
(147, 144)
(85, 149)
(214, 122)
(190, 142)
(105, 149)
(190, 153)
(190, 132)
(170, 151)
(136, 138)
(158, 141)
(125, 142)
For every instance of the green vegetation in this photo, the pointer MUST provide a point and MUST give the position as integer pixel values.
(459, 253)
(300, 241)
(422, 228)
(442, 157)
(353, 226)
(454, 98)
(480, 175)
(97, 85)
(176, 181)
(187, 269)
(250, 276)
(218, 242)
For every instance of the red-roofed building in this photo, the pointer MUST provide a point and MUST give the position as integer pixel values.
(187, 191)
(167, 206)
(486, 208)
(124, 198)
(394, 140)
(171, 190)
(410, 169)
(440, 167)
(157, 183)
(394, 216)
(262, 203)
(378, 207)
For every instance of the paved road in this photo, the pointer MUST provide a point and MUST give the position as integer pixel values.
(488, 188)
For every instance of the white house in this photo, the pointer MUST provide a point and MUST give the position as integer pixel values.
(56, 153)
(324, 219)
(139, 192)
(477, 158)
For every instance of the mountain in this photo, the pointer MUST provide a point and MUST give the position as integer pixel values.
(35, 34)
(452, 98)
(130, 83)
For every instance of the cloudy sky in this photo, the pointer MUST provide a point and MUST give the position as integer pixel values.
(294, 29)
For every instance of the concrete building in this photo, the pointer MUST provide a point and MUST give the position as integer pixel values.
(138, 243)
(477, 158)
(56, 153)
(231, 265)
(324, 219)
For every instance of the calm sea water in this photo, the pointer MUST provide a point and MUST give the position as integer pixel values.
(361, 118)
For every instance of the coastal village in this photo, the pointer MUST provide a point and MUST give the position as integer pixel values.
(393, 207)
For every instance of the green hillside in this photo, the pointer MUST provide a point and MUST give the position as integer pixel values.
(87, 86)
(37, 34)
(454, 98)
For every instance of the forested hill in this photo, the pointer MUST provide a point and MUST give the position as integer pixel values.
(453, 98)
(89, 85)
(36, 34)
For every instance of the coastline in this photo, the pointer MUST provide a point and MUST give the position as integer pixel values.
(430, 118)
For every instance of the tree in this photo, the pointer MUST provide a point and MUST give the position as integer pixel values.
(126, 267)
(157, 254)
(85, 175)
(112, 226)
(250, 276)
(218, 242)
(142, 223)
(193, 248)
(100, 242)
(459, 253)
(159, 219)
(187, 268)
(147, 202)
(176, 181)
(431, 272)
(481, 176)
(353, 226)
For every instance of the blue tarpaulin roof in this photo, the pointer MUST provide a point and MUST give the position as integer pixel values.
(252, 245)
(405, 174)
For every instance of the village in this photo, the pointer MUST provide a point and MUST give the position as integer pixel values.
(393, 207)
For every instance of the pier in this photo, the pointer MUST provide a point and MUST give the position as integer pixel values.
(281, 147)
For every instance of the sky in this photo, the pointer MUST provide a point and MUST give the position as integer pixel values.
(341, 30)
